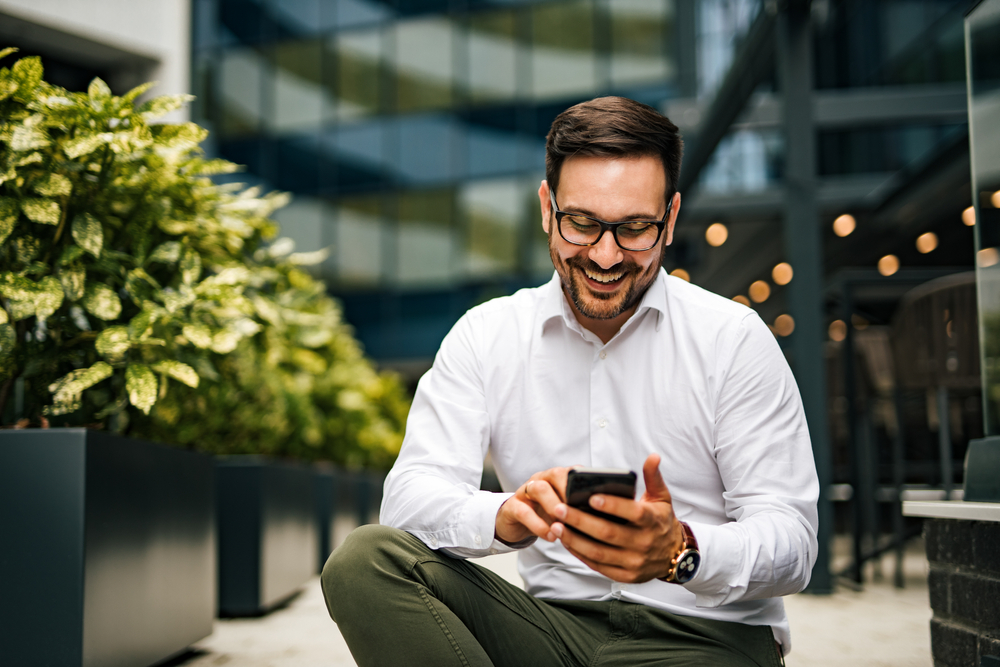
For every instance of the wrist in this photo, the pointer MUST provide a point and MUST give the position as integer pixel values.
(686, 561)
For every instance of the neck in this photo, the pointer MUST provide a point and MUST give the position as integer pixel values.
(603, 329)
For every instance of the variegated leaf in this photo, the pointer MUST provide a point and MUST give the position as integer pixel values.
(31, 158)
(174, 300)
(98, 91)
(54, 185)
(160, 106)
(225, 341)
(28, 74)
(27, 138)
(102, 302)
(141, 325)
(8, 337)
(178, 371)
(67, 389)
(49, 297)
(20, 310)
(85, 144)
(27, 248)
(88, 233)
(42, 211)
(3, 316)
(73, 280)
(167, 253)
(198, 334)
(309, 258)
(190, 266)
(140, 381)
(113, 343)
(9, 211)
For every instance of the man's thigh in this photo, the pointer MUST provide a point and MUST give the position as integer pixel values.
(392, 596)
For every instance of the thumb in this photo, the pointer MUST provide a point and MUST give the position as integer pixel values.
(656, 488)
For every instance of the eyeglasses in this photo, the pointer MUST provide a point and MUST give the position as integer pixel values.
(634, 235)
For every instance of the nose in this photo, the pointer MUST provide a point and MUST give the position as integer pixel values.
(606, 252)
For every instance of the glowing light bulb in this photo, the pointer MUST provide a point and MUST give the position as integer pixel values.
(716, 234)
(927, 242)
(888, 265)
(837, 330)
(759, 291)
(844, 224)
(782, 273)
(784, 325)
(682, 274)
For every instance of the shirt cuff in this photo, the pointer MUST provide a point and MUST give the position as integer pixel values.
(721, 566)
(475, 533)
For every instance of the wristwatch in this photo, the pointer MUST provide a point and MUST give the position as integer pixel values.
(685, 564)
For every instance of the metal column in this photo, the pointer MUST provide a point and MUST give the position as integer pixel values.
(804, 250)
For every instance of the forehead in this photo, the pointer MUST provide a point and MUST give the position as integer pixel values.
(613, 186)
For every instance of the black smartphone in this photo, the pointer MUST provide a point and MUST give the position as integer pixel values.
(582, 483)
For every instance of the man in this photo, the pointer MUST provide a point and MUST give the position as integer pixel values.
(611, 364)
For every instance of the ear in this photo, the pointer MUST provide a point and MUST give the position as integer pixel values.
(675, 208)
(543, 200)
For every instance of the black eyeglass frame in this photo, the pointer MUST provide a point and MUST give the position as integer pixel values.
(609, 226)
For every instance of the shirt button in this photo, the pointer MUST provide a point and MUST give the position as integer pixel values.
(478, 540)
(493, 552)
(602, 423)
(604, 355)
(434, 542)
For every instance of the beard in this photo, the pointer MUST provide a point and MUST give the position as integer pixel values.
(603, 305)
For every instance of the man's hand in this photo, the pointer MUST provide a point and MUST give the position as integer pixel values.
(524, 515)
(633, 553)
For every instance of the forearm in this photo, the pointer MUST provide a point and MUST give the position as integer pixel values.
(769, 554)
(455, 517)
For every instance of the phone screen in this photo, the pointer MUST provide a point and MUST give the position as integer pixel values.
(582, 483)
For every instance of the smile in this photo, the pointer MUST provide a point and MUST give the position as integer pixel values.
(604, 277)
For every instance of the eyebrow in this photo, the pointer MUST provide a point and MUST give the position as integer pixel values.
(645, 217)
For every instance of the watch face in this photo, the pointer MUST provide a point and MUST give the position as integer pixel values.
(687, 566)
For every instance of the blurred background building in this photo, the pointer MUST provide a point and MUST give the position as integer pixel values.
(826, 180)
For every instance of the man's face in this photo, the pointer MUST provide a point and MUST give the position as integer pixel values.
(603, 281)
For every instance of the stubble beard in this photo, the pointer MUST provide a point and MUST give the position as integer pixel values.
(603, 305)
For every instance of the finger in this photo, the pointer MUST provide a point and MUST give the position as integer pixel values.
(526, 514)
(625, 508)
(598, 528)
(542, 494)
(656, 488)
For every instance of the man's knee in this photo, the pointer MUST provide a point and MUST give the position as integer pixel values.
(366, 557)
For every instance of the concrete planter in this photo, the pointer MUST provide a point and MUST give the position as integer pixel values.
(345, 499)
(108, 556)
(267, 532)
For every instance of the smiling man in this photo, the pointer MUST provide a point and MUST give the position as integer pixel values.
(611, 364)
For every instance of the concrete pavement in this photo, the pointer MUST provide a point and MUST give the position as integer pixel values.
(879, 626)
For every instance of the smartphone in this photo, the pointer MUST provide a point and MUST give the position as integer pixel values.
(582, 483)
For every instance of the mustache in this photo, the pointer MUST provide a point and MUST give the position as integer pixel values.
(627, 266)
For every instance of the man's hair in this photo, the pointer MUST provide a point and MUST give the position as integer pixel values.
(613, 127)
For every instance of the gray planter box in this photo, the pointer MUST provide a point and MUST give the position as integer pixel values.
(108, 555)
(345, 499)
(267, 532)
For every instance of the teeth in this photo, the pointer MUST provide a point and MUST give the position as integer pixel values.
(604, 277)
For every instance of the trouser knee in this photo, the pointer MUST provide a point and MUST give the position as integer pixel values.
(369, 558)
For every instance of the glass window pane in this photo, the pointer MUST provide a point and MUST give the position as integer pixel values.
(299, 94)
(241, 80)
(426, 237)
(427, 148)
(493, 214)
(492, 56)
(423, 64)
(640, 30)
(360, 235)
(358, 73)
(564, 62)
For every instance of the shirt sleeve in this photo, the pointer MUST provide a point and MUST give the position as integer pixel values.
(433, 489)
(767, 467)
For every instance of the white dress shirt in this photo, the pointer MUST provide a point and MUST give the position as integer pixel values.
(692, 376)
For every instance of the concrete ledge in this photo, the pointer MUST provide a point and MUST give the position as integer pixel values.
(952, 509)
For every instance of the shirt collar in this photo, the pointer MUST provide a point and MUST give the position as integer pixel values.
(555, 305)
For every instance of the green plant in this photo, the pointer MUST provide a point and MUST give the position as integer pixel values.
(130, 281)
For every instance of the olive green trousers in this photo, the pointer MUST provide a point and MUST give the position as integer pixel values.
(397, 602)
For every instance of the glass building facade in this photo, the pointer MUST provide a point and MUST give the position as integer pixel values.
(411, 132)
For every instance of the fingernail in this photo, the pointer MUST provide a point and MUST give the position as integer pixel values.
(560, 511)
(557, 529)
(597, 501)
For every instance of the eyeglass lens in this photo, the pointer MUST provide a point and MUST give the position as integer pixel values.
(631, 236)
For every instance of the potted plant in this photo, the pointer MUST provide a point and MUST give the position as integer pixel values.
(138, 297)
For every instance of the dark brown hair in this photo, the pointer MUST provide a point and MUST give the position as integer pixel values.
(614, 127)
